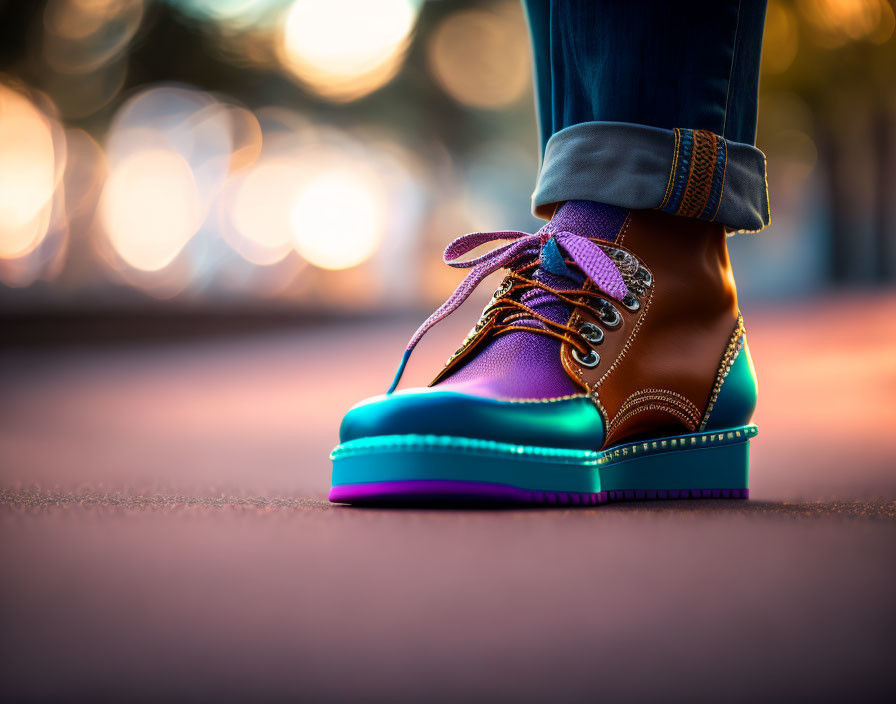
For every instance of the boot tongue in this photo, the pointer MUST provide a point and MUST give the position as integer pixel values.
(527, 364)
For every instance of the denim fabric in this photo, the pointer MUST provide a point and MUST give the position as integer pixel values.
(614, 79)
(631, 166)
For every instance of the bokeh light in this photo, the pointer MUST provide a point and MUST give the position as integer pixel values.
(190, 122)
(338, 218)
(82, 35)
(246, 137)
(256, 209)
(150, 208)
(28, 174)
(781, 37)
(315, 191)
(345, 49)
(480, 57)
(839, 21)
(178, 191)
(233, 13)
(82, 94)
(497, 181)
(169, 150)
(85, 175)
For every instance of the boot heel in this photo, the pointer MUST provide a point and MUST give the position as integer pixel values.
(702, 465)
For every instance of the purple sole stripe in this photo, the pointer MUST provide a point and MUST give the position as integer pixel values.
(434, 491)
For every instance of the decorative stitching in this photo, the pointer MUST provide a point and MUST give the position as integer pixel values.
(689, 424)
(624, 229)
(484, 323)
(701, 176)
(768, 208)
(735, 44)
(568, 397)
(676, 135)
(600, 409)
(628, 343)
(718, 182)
(681, 407)
(672, 410)
(683, 157)
(735, 344)
(699, 166)
(724, 153)
(687, 193)
(565, 354)
(576, 318)
(671, 397)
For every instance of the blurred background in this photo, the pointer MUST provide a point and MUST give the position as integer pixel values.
(221, 220)
(266, 157)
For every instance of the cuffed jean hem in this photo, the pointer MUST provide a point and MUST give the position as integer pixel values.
(692, 173)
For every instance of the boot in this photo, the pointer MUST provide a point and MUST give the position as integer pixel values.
(610, 364)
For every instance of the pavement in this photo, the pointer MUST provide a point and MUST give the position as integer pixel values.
(165, 536)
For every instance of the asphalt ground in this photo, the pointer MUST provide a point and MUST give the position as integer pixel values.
(166, 537)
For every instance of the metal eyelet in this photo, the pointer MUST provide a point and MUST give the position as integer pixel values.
(505, 286)
(616, 253)
(590, 360)
(626, 262)
(644, 277)
(630, 302)
(591, 333)
(609, 316)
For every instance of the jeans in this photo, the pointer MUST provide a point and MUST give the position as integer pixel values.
(650, 104)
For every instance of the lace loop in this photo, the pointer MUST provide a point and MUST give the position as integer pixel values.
(587, 256)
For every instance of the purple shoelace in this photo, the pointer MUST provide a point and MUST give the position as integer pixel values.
(548, 243)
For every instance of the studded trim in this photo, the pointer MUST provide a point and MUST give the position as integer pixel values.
(472, 446)
(735, 343)
(680, 443)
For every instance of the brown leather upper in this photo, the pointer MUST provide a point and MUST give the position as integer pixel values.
(658, 367)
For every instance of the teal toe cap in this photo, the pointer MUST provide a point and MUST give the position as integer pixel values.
(572, 422)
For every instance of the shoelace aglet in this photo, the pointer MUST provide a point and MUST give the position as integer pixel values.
(401, 365)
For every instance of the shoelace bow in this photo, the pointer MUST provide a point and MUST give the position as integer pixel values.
(546, 244)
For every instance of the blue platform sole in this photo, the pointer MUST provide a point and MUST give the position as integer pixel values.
(431, 468)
